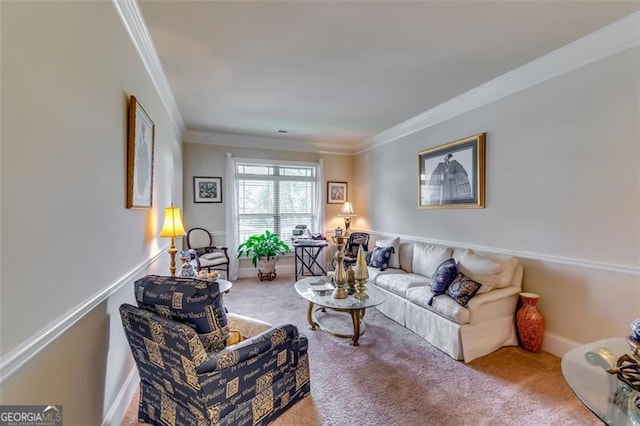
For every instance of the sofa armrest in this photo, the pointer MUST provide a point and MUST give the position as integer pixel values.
(498, 303)
(284, 335)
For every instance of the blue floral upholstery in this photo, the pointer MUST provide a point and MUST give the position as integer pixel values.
(191, 301)
(249, 383)
(381, 257)
(462, 289)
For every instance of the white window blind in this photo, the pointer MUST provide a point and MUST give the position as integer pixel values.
(275, 197)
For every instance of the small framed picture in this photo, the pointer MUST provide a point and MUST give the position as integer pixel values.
(207, 189)
(140, 141)
(336, 192)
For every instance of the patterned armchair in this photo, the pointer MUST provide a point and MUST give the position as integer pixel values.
(250, 382)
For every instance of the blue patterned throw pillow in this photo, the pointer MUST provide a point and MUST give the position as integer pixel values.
(380, 257)
(462, 289)
(197, 303)
(442, 278)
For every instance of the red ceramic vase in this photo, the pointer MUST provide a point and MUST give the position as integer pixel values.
(530, 323)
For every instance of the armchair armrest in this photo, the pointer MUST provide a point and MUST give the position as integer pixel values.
(284, 335)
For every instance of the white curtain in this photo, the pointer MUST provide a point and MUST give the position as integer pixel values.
(231, 214)
(319, 197)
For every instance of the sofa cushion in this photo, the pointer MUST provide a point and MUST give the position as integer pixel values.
(492, 271)
(395, 257)
(443, 277)
(375, 273)
(406, 256)
(197, 303)
(462, 289)
(400, 283)
(427, 258)
(443, 305)
(380, 257)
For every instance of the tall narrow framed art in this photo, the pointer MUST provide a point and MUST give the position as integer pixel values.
(451, 176)
(140, 141)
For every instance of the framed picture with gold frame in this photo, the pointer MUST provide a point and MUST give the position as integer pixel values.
(451, 176)
(140, 141)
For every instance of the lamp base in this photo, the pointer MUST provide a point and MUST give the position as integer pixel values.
(172, 252)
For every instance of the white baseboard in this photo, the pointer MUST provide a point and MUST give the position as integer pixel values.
(116, 413)
(558, 345)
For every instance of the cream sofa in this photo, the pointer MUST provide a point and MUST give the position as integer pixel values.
(463, 333)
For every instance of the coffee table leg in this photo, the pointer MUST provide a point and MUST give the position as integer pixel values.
(355, 318)
(310, 320)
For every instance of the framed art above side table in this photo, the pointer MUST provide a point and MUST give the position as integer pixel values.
(336, 192)
(207, 189)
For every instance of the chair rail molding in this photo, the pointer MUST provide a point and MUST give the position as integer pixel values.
(600, 266)
(18, 357)
(616, 37)
(133, 21)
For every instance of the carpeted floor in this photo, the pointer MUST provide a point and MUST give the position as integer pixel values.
(396, 378)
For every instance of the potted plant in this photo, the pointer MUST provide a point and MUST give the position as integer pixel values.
(264, 250)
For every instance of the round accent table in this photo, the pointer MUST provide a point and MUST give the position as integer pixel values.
(318, 293)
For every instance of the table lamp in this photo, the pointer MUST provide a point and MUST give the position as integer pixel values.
(347, 213)
(172, 228)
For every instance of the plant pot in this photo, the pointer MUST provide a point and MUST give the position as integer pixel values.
(267, 268)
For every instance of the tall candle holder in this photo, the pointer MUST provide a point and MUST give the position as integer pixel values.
(340, 275)
(361, 275)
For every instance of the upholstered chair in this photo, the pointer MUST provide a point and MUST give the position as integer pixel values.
(204, 254)
(353, 243)
(189, 374)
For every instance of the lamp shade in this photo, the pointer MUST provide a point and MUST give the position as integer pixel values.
(347, 210)
(172, 226)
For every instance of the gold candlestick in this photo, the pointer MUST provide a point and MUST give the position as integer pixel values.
(340, 276)
(361, 275)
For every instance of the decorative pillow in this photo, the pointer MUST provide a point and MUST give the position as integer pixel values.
(395, 257)
(235, 337)
(462, 289)
(442, 278)
(214, 255)
(491, 270)
(427, 258)
(194, 302)
(380, 257)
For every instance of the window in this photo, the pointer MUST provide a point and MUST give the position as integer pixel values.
(276, 197)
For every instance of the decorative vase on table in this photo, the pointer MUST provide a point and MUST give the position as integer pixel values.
(530, 323)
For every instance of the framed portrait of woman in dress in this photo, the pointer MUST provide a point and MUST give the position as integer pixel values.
(139, 157)
(452, 175)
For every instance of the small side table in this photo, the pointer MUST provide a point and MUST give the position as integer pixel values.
(306, 257)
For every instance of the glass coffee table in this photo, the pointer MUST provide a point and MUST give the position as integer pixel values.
(585, 370)
(318, 293)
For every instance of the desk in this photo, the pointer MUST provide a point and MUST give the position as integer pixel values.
(585, 370)
(306, 255)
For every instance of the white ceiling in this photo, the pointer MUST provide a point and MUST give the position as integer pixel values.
(341, 72)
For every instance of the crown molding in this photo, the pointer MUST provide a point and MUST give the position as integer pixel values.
(264, 142)
(133, 21)
(616, 37)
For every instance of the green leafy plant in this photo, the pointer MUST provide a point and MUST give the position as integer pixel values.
(265, 245)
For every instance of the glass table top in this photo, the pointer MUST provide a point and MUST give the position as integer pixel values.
(319, 292)
(585, 370)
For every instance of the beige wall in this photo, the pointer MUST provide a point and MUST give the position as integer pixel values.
(68, 69)
(562, 187)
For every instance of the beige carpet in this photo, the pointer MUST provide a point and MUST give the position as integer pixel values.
(396, 378)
